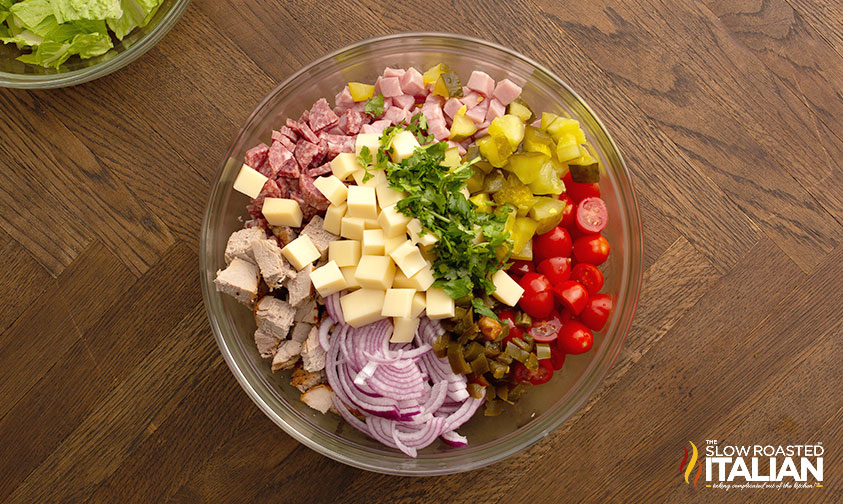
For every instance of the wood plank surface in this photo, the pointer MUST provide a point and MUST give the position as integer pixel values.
(729, 115)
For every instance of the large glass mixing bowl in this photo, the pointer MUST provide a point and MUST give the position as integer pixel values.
(543, 408)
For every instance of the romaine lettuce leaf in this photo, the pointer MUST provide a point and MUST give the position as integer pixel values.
(72, 10)
(136, 13)
(31, 12)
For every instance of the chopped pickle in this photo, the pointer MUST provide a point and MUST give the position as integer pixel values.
(491, 393)
(562, 125)
(547, 212)
(527, 165)
(499, 369)
(493, 182)
(548, 181)
(492, 348)
(472, 351)
(536, 140)
(523, 345)
(495, 149)
(516, 193)
(523, 232)
(447, 85)
(522, 110)
(502, 391)
(586, 174)
(432, 74)
(361, 92)
(483, 166)
(474, 184)
(517, 391)
(547, 120)
(567, 148)
(492, 409)
(452, 158)
(542, 351)
(480, 365)
(471, 153)
(523, 320)
(481, 201)
(475, 390)
(515, 352)
(526, 252)
(462, 128)
(503, 359)
(457, 359)
(440, 346)
(532, 362)
(509, 127)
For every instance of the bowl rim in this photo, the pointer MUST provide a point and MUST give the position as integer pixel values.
(103, 68)
(592, 372)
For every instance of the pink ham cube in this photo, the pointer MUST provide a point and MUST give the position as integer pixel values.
(452, 106)
(404, 101)
(472, 99)
(478, 113)
(412, 82)
(507, 91)
(390, 86)
(344, 99)
(394, 115)
(394, 72)
(482, 83)
(496, 109)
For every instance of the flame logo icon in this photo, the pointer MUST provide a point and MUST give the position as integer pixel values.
(690, 467)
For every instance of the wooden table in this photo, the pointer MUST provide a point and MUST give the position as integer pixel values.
(729, 114)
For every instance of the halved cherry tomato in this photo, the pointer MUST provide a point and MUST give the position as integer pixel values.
(554, 243)
(539, 305)
(578, 191)
(514, 332)
(575, 338)
(591, 249)
(572, 295)
(520, 268)
(556, 269)
(592, 215)
(541, 375)
(565, 314)
(508, 316)
(569, 213)
(589, 276)
(547, 329)
(557, 358)
(597, 311)
(533, 283)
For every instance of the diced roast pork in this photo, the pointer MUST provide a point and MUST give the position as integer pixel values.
(317, 234)
(273, 267)
(286, 355)
(300, 331)
(305, 380)
(274, 317)
(240, 244)
(312, 354)
(299, 287)
(239, 280)
(266, 343)
(307, 312)
(284, 234)
(319, 398)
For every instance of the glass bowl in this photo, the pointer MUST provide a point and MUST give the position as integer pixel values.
(15, 74)
(543, 408)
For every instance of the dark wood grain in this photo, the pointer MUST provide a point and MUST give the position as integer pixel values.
(728, 113)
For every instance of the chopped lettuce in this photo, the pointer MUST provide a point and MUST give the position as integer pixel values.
(136, 13)
(74, 10)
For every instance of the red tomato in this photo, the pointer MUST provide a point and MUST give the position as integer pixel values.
(578, 191)
(534, 283)
(556, 269)
(508, 316)
(591, 249)
(554, 243)
(569, 212)
(575, 338)
(546, 330)
(565, 314)
(589, 276)
(539, 305)
(572, 295)
(592, 215)
(514, 332)
(520, 268)
(541, 375)
(597, 311)
(557, 358)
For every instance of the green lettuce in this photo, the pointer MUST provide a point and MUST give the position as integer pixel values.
(74, 10)
(136, 14)
(31, 12)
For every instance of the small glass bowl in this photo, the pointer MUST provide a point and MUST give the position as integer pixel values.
(15, 74)
(543, 408)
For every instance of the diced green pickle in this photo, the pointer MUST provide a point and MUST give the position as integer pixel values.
(447, 85)
(522, 110)
(482, 202)
(475, 182)
(493, 408)
(509, 127)
(480, 365)
(493, 182)
(527, 165)
(495, 149)
(547, 212)
(523, 232)
(586, 174)
(516, 193)
(457, 359)
(536, 140)
(548, 181)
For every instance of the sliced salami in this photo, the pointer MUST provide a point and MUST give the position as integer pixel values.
(321, 116)
(305, 152)
(311, 194)
(323, 169)
(256, 156)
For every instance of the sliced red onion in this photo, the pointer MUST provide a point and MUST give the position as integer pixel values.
(334, 308)
(454, 439)
(365, 373)
(324, 330)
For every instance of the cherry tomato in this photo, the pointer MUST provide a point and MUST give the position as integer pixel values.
(534, 283)
(507, 316)
(541, 375)
(592, 215)
(556, 269)
(546, 330)
(539, 305)
(589, 276)
(514, 332)
(575, 338)
(565, 314)
(597, 311)
(520, 268)
(568, 214)
(578, 191)
(572, 295)
(591, 249)
(554, 243)
(557, 358)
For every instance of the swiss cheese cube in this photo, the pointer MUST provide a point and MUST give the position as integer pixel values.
(390, 244)
(333, 218)
(378, 177)
(375, 272)
(282, 212)
(398, 303)
(373, 241)
(352, 228)
(393, 222)
(362, 306)
(371, 224)
(350, 280)
(344, 252)
(370, 140)
(419, 303)
(362, 202)
(328, 279)
(249, 181)
(421, 281)
(507, 290)
(388, 196)
(301, 252)
(332, 188)
(408, 258)
(439, 304)
(344, 165)
(414, 227)
(403, 145)
(403, 329)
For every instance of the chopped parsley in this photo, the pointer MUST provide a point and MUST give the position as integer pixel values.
(374, 107)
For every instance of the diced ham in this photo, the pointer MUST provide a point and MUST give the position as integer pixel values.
(311, 194)
(319, 170)
(375, 127)
(305, 152)
(472, 99)
(434, 99)
(256, 156)
(282, 161)
(377, 88)
(482, 83)
(482, 132)
(412, 82)
(439, 130)
(460, 148)
(496, 109)
(344, 99)
(404, 101)
(321, 116)
(452, 106)
(394, 72)
(506, 91)
(394, 115)
(478, 113)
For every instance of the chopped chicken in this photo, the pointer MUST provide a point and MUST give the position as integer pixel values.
(320, 238)
(240, 280)
(299, 287)
(266, 343)
(240, 244)
(274, 316)
(274, 268)
(286, 355)
(300, 331)
(312, 354)
(307, 312)
(305, 380)
(319, 398)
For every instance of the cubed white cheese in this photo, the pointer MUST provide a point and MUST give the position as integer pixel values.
(282, 212)
(403, 145)
(362, 202)
(332, 188)
(350, 280)
(301, 252)
(333, 218)
(370, 140)
(378, 177)
(408, 258)
(373, 241)
(375, 272)
(249, 181)
(328, 279)
(507, 290)
(371, 224)
(352, 228)
(419, 303)
(344, 165)
(439, 304)
(362, 306)
(403, 329)
(398, 303)
(390, 244)
(414, 227)
(344, 252)
(421, 281)
(388, 196)
(393, 222)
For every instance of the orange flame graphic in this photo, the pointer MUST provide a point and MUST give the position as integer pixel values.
(699, 471)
